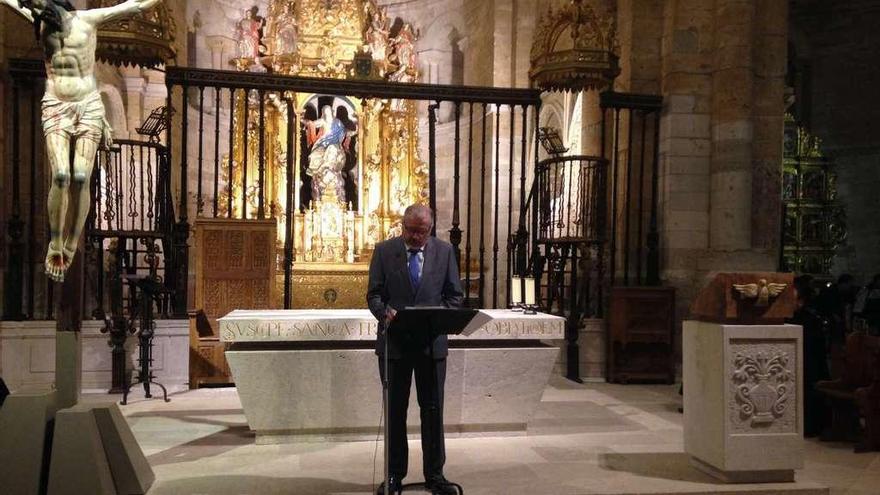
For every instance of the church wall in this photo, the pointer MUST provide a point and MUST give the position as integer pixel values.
(478, 52)
(719, 67)
(839, 49)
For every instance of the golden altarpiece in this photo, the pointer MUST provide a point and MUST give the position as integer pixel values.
(357, 162)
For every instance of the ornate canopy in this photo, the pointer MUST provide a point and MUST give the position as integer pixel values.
(573, 50)
(144, 40)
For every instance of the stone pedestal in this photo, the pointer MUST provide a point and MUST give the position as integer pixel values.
(94, 451)
(24, 419)
(743, 404)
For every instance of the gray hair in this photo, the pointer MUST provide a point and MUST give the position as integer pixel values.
(419, 211)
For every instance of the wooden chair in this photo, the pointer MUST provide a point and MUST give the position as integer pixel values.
(855, 396)
(235, 269)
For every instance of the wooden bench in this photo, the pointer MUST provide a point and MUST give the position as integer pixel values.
(855, 396)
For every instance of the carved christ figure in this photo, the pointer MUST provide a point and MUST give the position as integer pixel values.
(73, 114)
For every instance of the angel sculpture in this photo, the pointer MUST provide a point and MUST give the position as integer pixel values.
(763, 291)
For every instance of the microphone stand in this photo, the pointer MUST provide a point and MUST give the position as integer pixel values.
(386, 414)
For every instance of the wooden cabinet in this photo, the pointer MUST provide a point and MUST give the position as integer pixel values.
(235, 269)
(641, 329)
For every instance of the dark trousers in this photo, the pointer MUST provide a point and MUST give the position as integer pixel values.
(430, 378)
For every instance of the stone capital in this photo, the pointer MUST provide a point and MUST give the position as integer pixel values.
(219, 43)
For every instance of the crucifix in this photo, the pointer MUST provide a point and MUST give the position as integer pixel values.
(72, 112)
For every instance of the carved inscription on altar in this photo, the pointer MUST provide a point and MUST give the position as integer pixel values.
(299, 325)
(299, 330)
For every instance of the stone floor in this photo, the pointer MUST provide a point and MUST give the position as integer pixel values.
(594, 438)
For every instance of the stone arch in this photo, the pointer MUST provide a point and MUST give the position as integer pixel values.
(114, 110)
(552, 115)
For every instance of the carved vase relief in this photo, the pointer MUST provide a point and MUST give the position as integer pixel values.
(763, 383)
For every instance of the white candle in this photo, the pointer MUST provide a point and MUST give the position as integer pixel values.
(530, 291)
(515, 291)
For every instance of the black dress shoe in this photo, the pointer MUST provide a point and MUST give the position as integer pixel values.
(440, 486)
(393, 483)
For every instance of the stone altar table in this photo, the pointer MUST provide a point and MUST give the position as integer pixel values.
(312, 375)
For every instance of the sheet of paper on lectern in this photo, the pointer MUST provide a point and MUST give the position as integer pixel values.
(480, 320)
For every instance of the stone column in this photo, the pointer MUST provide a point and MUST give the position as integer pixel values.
(134, 96)
(639, 31)
(591, 124)
(770, 56)
(685, 144)
(504, 43)
(732, 126)
(155, 93)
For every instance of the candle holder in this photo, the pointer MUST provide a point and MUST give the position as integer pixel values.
(516, 307)
(530, 309)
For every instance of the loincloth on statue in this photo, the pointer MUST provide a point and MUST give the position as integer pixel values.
(80, 119)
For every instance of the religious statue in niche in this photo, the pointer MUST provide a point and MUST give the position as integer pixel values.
(72, 112)
(404, 54)
(377, 34)
(249, 35)
(331, 163)
(287, 34)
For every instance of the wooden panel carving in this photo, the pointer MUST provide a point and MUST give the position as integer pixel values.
(641, 324)
(235, 269)
(326, 289)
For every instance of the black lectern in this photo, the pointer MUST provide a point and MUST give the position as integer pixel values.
(418, 326)
(422, 324)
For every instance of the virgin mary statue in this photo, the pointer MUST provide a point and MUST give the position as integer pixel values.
(328, 156)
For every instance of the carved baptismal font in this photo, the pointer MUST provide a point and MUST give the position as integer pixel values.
(356, 161)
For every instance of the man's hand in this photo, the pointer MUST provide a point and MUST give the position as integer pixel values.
(390, 313)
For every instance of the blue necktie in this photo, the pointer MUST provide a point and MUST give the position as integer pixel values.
(414, 268)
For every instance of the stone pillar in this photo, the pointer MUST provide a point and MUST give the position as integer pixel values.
(134, 96)
(478, 49)
(639, 31)
(503, 43)
(770, 56)
(155, 93)
(591, 124)
(685, 144)
(732, 126)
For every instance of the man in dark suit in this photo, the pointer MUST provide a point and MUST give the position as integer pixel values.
(414, 269)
